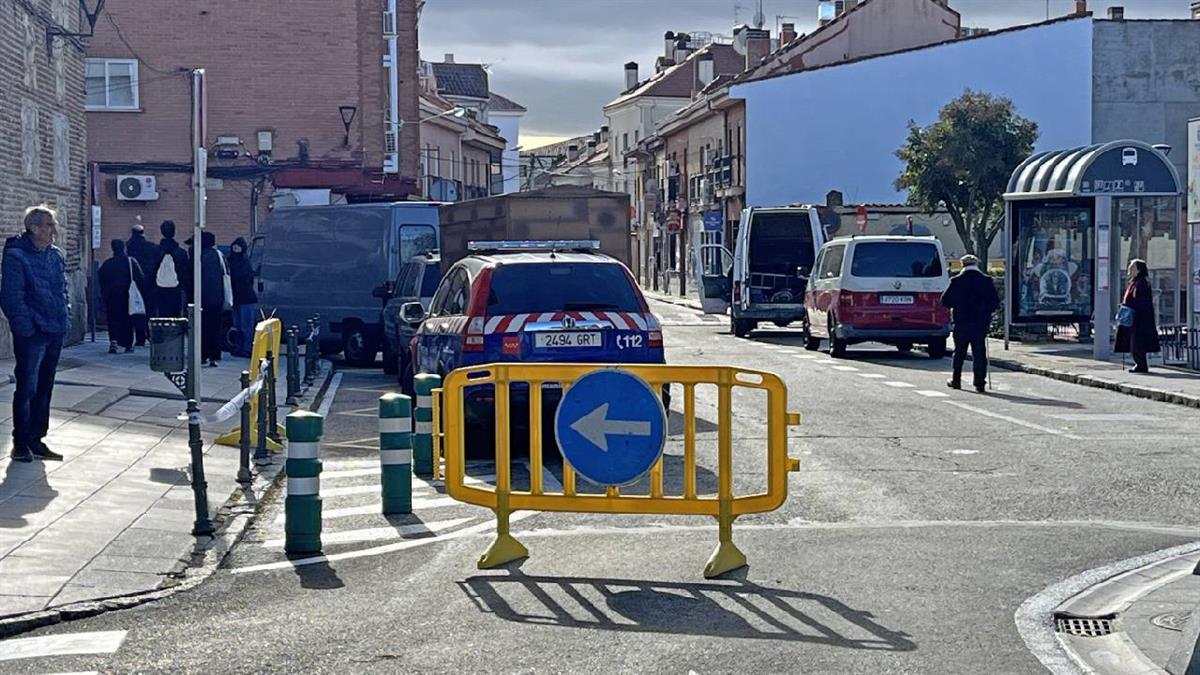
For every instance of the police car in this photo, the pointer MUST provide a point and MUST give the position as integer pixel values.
(533, 302)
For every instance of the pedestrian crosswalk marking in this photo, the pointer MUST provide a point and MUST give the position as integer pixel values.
(933, 394)
(350, 473)
(379, 533)
(63, 644)
(846, 369)
(873, 376)
(350, 490)
(369, 509)
(372, 411)
(368, 443)
(900, 385)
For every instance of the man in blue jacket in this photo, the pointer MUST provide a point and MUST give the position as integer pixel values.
(33, 295)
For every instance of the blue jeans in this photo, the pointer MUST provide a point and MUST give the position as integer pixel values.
(37, 360)
(243, 319)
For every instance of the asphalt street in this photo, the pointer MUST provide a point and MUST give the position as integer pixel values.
(920, 521)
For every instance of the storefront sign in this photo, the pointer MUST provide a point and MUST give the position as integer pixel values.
(1127, 170)
(712, 221)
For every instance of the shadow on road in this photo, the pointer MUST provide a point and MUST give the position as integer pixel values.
(317, 576)
(1034, 400)
(740, 610)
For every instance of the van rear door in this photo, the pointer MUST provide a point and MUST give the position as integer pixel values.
(714, 267)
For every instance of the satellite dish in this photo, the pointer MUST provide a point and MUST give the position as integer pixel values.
(739, 38)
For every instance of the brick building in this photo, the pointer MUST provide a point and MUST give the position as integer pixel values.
(43, 137)
(312, 96)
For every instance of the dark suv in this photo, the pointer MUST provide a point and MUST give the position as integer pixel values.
(416, 282)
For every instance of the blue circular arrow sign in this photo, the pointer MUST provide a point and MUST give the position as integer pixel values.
(611, 427)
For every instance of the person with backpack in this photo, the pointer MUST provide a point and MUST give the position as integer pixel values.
(117, 275)
(171, 268)
(245, 300)
(147, 255)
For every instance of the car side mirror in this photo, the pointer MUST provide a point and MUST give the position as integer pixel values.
(412, 312)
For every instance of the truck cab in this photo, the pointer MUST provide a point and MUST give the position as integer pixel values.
(764, 278)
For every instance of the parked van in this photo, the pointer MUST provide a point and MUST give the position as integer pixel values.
(765, 277)
(879, 289)
(337, 261)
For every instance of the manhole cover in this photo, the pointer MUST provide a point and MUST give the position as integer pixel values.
(1172, 620)
(1083, 626)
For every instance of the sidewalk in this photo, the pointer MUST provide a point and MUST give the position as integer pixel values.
(1072, 362)
(115, 517)
(684, 301)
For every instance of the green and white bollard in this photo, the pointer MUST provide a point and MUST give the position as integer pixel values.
(302, 508)
(395, 452)
(424, 384)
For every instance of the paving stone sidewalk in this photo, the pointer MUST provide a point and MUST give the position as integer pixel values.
(115, 517)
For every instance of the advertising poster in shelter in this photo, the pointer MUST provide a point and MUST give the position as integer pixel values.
(1054, 255)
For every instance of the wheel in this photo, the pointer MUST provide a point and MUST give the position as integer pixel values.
(837, 346)
(741, 327)
(937, 348)
(405, 375)
(905, 348)
(812, 344)
(358, 348)
(390, 362)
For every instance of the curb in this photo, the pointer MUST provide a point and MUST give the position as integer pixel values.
(233, 519)
(1099, 383)
(673, 300)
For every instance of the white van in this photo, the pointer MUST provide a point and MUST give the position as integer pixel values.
(879, 289)
(765, 277)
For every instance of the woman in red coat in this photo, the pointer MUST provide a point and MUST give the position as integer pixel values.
(1140, 338)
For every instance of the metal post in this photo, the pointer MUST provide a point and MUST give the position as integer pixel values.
(310, 350)
(260, 452)
(244, 475)
(424, 384)
(395, 453)
(272, 404)
(293, 368)
(202, 524)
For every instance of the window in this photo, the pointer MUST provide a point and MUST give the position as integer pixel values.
(112, 84)
(831, 262)
(451, 297)
(901, 260)
(625, 141)
(528, 288)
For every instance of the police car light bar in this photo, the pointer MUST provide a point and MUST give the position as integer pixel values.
(553, 245)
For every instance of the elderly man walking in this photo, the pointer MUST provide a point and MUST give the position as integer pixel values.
(33, 295)
(972, 297)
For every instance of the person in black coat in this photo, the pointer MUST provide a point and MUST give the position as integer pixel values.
(1142, 337)
(972, 298)
(245, 300)
(212, 296)
(170, 271)
(116, 275)
(146, 254)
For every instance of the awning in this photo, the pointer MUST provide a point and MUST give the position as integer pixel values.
(1120, 168)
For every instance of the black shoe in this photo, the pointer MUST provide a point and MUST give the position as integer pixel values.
(139, 344)
(21, 453)
(953, 385)
(128, 350)
(1139, 370)
(980, 388)
(112, 349)
(46, 454)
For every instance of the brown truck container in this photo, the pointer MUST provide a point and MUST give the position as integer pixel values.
(560, 212)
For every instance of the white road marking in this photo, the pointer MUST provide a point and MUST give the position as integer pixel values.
(1013, 420)
(63, 644)
(376, 508)
(1103, 417)
(350, 473)
(873, 376)
(846, 369)
(900, 385)
(378, 533)
(806, 357)
(933, 394)
(962, 452)
(335, 465)
(330, 393)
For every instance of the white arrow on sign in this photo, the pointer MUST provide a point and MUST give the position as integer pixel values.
(595, 426)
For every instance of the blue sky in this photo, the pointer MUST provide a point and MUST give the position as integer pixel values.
(563, 59)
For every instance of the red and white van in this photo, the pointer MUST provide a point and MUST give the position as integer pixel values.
(878, 289)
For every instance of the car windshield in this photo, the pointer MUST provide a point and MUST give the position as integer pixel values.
(527, 288)
(905, 260)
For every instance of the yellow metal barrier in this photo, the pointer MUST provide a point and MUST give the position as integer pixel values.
(450, 427)
(268, 334)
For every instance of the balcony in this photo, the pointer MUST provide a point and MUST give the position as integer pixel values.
(475, 192)
(443, 189)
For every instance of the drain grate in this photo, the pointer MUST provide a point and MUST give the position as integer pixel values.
(1084, 626)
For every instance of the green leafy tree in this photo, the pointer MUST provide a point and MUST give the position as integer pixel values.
(963, 162)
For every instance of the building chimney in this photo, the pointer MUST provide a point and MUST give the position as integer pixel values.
(826, 12)
(669, 44)
(1116, 13)
(1080, 7)
(449, 58)
(604, 134)
(591, 147)
(572, 152)
(631, 75)
(705, 71)
(758, 46)
(683, 47)
(787, 34)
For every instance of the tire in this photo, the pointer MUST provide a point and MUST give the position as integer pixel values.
(741, 327)
(404, 372)
(812, 344)
(358, 348)
(837, 346)
(783, 324)
(937, 349)
(904, 348)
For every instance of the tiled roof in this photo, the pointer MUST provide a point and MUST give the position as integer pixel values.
(461, 79)
(501, 104)
(678, 80)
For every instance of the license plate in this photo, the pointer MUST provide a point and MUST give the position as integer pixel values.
(896, 300)
(557, 339)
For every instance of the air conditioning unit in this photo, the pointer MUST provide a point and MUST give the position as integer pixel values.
(137, 188)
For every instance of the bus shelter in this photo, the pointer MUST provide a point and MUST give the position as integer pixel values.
(1074, 219)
